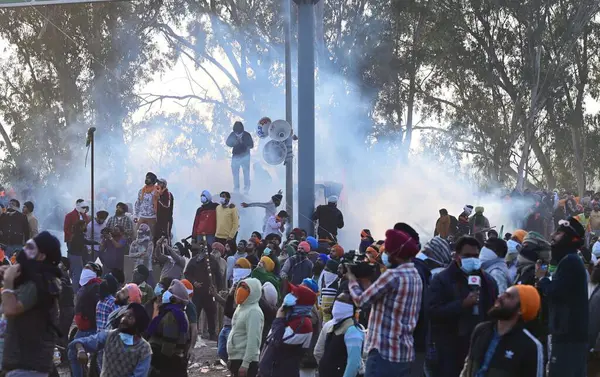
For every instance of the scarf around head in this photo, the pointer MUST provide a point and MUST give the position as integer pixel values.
(177, 310)
(266, 277)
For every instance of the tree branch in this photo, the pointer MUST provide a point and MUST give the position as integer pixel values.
(151, 98)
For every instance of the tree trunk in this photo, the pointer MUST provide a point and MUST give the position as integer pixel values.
(410, 105)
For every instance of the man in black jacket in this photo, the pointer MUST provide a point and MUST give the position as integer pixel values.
(14, 228)
(503, 347)
(567, 297)
(455, 308)
(240, 142)
(330, 219)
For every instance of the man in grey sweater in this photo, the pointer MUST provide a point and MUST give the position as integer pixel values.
(170, 259)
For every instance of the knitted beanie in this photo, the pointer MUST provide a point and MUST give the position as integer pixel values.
(530, 301)
(536, 239)
(439, 250)
(332, 265)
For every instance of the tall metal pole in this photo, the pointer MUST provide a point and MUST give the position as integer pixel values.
(306, 114)
(289, 161)
(90, 143)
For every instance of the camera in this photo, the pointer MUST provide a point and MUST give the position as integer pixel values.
(359, 265)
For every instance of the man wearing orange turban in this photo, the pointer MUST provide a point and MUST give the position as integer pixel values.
(503, 347)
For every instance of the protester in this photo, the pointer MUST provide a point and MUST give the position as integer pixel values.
(31, 219)
(276, 224)
(205, 222)
(164, 210)
(244, 340)
(200, 271)
(140, 277)
(329, 283)
(298, 267)
(567, 298)
(168, 334)
(329, 219)
(240, 253)
(593, 365)
(146, 204)
(446, 225)
(78, 252)
(270, 207)
(112, 249)
(396, 298)
(339, 347)
(142, 250)
(463, 221)
(479, 224)
(455, 308)
(191, 312)
(66, 304)
(99, 223)
(290, 335)
(106, 305)
(30, 297)
(125, 352)
(503, 347)
(308, 364)
(79, 213)
(120, 219)
(535, 247)
(240, 142)
(170, 258)
(492, 256)
(228, 220)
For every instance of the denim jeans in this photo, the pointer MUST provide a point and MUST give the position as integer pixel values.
(76, 268)
(244, 163)
(222, 342)
(210, 239)
(76, 369)
(379, 367)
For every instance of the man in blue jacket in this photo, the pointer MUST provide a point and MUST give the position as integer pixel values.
(567, 295)
(455, 307)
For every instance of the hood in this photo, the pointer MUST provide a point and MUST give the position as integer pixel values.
(208, 195)
(255, 291)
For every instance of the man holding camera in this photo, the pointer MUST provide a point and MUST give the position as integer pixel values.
(459, 298)
(395, 298)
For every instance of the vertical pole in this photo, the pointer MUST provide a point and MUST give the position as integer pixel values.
(90, 142)
(306, 114)
(289, 162)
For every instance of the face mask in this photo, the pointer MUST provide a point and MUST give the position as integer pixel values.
(158, 290)
(203, 199)
(223, 201)
(240, 273)
(341, 311)
(166, 298)
(386, 260)
(289, 300)
(267, 252)
(241, 295)
(31, 250)
(470, 264)
(127, 339)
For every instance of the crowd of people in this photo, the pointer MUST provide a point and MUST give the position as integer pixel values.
(128, 300)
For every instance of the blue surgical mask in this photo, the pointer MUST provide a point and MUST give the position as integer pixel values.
(166, 298)
(470, 264)
(289, 300)
(158, 290)
(127, 339)
(386, 260)
(203, 199)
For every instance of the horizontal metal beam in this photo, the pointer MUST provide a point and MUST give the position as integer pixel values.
(34, 3)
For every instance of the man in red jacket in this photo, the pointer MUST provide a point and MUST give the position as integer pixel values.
(205, 223)
(79, 213)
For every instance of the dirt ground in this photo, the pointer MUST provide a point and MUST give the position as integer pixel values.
(204, 361)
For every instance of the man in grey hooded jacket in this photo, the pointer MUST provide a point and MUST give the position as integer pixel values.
(492, 261)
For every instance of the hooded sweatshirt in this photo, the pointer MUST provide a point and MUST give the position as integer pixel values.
(205, 222)
(495, 266)
(247, 324)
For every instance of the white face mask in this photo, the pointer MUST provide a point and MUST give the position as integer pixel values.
(341, 311)
(240, 273)
(223, 201)
(203, 199)
(31, 250)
